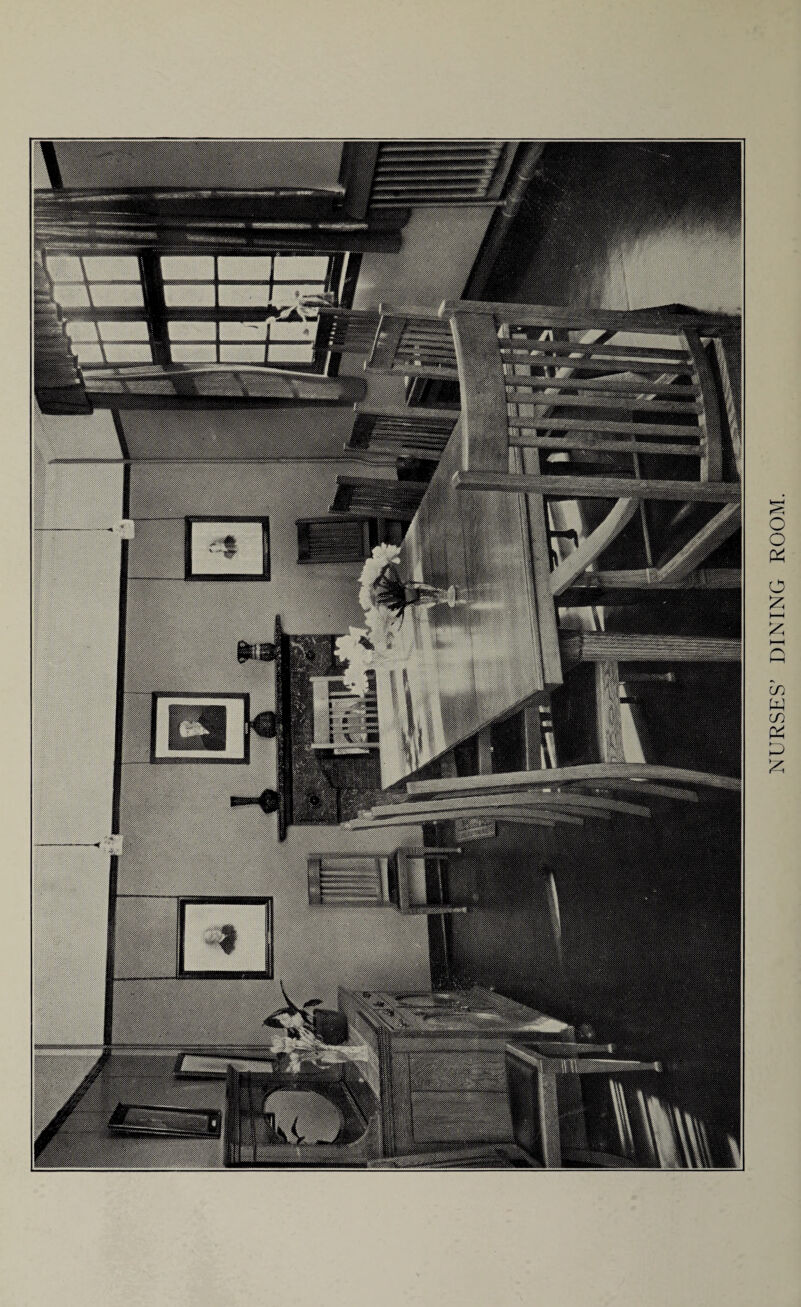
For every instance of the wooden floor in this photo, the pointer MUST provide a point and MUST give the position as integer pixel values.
(466, 666)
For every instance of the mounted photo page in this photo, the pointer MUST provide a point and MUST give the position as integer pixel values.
(227, 549)
(200, 728)
(225, 937)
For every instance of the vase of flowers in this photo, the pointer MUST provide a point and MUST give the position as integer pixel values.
(299, 1042)
(384, 595)
(381, 585)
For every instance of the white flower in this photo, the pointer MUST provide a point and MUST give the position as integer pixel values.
(374, 566)
(349, 648)
(386, 554)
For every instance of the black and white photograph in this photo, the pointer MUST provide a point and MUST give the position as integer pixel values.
(235, 549)
(199, 728)
(473, 407)
(225, 937)
(177, 1122)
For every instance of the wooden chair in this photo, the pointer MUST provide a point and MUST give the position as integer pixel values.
(343, 722)
(546, 797)
(544, 1088)
(382, 498)
(336, 538)
(403, 432)
(366, 880)
(415, 342)
(619, 398)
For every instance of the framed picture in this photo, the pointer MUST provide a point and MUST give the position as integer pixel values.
(176, 1122)
(225, 937)
(227, 548)
(214, 1066)
(200, 728)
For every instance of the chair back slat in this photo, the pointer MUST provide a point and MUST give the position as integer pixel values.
(333, 539)
(605, 405)
(339, 880)
(343, 721)
(414, 343)
(382, 497)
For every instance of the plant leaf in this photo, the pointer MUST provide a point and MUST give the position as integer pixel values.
(313, 1002)
(293, 1007)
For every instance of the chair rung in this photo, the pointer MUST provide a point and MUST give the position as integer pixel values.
(606, 446)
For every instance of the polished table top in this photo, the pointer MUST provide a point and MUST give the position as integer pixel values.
(458, 669)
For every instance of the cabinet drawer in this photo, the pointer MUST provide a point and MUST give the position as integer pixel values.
(477, 1069)
(463, 1118)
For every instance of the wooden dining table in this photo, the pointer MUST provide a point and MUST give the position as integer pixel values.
(454, 670)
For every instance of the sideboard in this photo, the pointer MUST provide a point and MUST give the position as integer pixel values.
(437, 1062)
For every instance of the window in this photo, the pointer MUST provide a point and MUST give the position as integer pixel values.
(190, 308)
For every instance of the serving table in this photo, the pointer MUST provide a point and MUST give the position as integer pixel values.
(436, 1062)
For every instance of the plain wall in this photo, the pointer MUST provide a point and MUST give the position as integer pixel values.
(76, 624)
(181, 836)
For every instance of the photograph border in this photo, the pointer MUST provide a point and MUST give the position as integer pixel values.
(189, 575)
(205, 756)
(118, 1126)
(269, 923)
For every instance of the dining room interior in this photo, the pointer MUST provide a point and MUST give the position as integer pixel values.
(386, 599)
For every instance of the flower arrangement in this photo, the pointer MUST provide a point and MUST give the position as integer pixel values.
(298, 1042)
(384, 597)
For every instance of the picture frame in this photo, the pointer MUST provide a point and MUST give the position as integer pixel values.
(166, 1122)
(214, 1066)
(200, 728)
(225, 938)
(227, 548)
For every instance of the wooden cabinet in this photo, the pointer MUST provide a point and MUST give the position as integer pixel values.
(439, 1058)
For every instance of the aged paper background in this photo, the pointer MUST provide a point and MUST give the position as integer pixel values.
(534, 70)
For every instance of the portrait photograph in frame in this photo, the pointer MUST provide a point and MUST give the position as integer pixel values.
(172, 1122)
(200, 728)
(227, 548)
(227, 937)
(214, 1066)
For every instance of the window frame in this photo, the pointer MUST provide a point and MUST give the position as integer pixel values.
(156, 314)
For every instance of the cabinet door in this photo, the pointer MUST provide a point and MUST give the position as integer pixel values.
(460, 1117)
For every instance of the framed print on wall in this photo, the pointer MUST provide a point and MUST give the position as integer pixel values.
(225, 937)
(227, 549)
(200, 728)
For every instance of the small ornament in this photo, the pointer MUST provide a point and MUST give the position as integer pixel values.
(263, 652)
(264, 725)
(268, 801)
